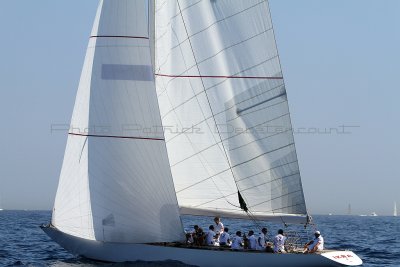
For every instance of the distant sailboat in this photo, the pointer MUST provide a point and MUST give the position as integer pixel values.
(395, 210)
(192, 65)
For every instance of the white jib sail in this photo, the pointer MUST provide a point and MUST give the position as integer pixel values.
(224, 108)
(116, 184)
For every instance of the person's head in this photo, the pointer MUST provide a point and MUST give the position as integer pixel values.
(251, 232)
(280, 231)
(238, 233)
(226, 229)
(211, 227)
(264, 231)
(217, 220)
(196, 227)
(317, 233)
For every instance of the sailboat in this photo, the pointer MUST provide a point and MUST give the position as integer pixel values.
(395, 210)
(181, 109)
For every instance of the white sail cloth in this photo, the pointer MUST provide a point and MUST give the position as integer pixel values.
(116, 184)
(224, 108)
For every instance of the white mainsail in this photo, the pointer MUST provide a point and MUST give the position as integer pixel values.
(116, 184)
(395, 210)
(224, 108)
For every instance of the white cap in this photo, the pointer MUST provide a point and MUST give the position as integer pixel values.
(317, 232)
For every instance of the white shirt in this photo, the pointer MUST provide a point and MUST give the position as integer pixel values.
(224, 237)
(320, 247)
(279, 243)
(219, 228)
(210, 237)
(236, 242)
(260, 242)
(252, 242)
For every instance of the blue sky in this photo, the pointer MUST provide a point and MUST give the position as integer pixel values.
(341, 65)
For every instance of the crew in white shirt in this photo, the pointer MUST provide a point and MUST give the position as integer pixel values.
(219, 227)
(252, 241)
(279, 242)
(224, 238)
(262, 239)
(237, 241)
(210, 238)
(315, 245)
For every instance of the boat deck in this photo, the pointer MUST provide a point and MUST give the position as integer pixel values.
(224, 248)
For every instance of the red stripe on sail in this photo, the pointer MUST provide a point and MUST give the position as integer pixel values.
(116, 136)
(119, 36)
(217, 76)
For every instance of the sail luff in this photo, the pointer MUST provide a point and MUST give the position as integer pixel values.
(72, 211)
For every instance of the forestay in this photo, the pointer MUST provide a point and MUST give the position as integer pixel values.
(115, 184)
(224, 108)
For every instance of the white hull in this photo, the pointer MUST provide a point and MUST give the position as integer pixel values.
(121, 252)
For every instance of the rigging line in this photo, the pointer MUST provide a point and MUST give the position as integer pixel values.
(219, 76)
(228, 138)
(119, 36)
(119, 137)
(208, 100)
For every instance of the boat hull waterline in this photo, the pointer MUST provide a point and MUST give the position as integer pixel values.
(123, 252)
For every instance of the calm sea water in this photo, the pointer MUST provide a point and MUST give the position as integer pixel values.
(22, 243)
